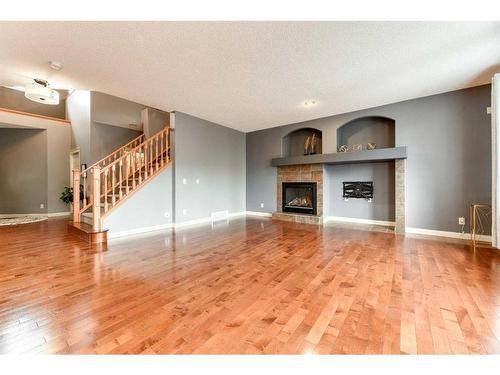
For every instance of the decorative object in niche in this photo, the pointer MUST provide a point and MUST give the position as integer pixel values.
(344, 148)
(371, 146)
(310, 145)
(358, 189)
(357, 147)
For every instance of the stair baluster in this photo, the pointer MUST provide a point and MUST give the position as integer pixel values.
(133, 164)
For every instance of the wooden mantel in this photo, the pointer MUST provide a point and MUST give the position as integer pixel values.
(365, 156)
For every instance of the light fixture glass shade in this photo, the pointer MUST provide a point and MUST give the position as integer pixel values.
(41, 93)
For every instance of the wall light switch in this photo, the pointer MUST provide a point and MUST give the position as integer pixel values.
(184, 181)
(488, 110)
(197, 181)
(184, 212)
(262, 205)
(42, 205)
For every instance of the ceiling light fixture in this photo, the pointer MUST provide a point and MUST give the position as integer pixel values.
(39, 91)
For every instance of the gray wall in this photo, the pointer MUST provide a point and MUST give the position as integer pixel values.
(154, 121)
(149, 207)
(101, 123)
(382, 205)
(14, 99)
(107, 138)
(215, 155)
(24, 171)
(449, 155)
(108, 109)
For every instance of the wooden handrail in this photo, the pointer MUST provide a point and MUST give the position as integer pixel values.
(146, 142)
(110, 156)
(123, 174)
(151, 158)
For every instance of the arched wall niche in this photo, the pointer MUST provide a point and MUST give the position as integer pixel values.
(295, 142)
(376, 129)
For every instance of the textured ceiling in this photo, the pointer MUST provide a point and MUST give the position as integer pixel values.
(254, 75)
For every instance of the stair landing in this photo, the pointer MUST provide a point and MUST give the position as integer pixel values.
(87, 232)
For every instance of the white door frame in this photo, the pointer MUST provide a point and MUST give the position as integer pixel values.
(73, 155)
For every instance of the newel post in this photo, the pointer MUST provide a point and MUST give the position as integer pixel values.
(76, 195)
(96, 197)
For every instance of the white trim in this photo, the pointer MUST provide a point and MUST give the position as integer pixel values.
(327, 219)
(55, 214)
(44, 214)
(205, 220)
(137, 231)
(441, 233)
(495, 162)
(256, 213)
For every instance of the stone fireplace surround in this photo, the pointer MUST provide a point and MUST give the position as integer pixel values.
(315, 173)
(300, 173)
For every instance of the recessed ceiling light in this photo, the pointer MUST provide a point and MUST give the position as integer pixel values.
(56, 65)
(309, 103)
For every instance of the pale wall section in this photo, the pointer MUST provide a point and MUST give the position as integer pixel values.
(449, 155)
(58, 148)
(148, 209)
(78, 110)
(24, 171)
(154, 121)
(215, 155)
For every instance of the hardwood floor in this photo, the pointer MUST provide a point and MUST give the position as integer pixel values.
(251, 286)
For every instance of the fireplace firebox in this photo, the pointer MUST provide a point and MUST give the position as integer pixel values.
(299, 197)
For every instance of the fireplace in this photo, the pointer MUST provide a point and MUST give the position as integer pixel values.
(299, 197)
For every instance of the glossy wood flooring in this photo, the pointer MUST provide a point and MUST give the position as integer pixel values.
(250, 286)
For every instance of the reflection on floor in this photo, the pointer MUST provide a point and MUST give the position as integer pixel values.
(252, 285)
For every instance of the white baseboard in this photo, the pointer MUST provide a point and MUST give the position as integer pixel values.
(45, 214)
(327, 219)
(208, 220)
(138, 231)
(132, 232)
(427, 232)
(205, 220)
(441, 233)
(56, 214)
(261, 214)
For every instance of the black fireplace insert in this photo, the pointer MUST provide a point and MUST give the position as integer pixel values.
(299, 197)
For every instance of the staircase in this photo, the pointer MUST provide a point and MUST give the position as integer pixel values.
(103, 186)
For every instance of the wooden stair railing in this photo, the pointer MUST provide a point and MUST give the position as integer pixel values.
(120, 176)
(102, 163)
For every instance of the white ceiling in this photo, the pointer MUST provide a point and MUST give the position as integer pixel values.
(254, 75)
